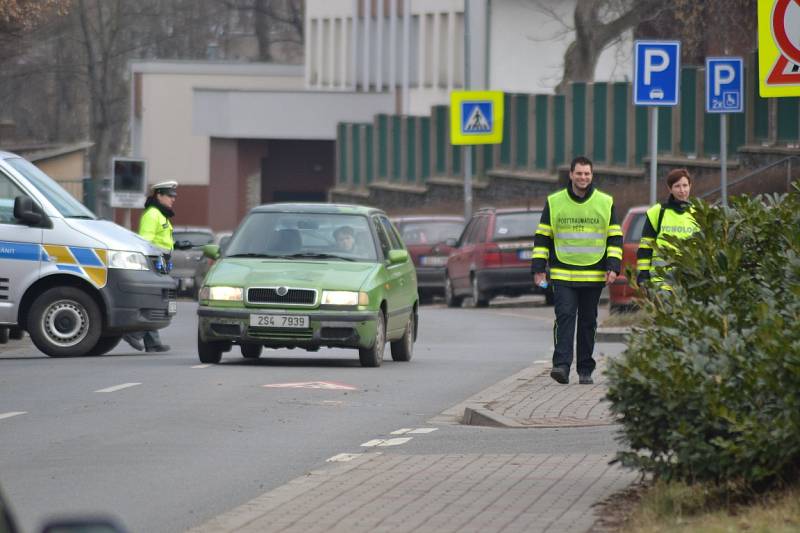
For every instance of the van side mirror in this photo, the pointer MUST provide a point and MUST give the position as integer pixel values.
(211, 251)
(28, 211)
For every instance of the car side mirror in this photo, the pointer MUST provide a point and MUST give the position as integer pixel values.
(451, 242)
(211, 251)
(28, 211)
(398, 256)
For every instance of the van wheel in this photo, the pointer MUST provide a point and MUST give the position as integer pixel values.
(479, 298)
(251, 351)
(4, 336)
(64, 322)
(373, 356)
(210, 352)
(403, 349)
(105, 345)
(450, 297)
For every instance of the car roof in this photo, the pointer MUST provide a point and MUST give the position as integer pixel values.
(428, 218)
(635, 210)
(501, 210)
(309, 207)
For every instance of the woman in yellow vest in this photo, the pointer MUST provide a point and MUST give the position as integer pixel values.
(155, 226)
(673, 217)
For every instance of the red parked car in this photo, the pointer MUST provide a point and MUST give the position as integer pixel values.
(493, 257)
(620, 294)
(424, 237)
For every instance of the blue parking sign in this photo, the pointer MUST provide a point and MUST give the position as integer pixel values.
(656, 72)
(724, 85)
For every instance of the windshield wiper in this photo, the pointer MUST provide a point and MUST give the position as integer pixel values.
(311, 255)
(252, 254)
(85, 217)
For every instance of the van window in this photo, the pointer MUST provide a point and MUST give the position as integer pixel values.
(63, 201)
(8, 191)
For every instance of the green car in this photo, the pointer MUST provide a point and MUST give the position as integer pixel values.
(310, 275)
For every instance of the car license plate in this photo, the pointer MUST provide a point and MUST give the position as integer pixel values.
(172, 307)
(278, 321)
(433, 260)
(525, 253)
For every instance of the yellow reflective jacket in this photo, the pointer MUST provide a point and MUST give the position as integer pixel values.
(156, 228)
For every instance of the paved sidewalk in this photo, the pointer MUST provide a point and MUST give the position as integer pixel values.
(393, 492)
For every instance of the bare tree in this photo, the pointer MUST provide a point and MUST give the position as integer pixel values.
(273, 22)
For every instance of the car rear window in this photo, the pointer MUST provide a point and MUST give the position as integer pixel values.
(197, 238)
(513, 226)
(430, 232)
(634, 233)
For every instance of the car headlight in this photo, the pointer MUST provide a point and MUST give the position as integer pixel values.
(227, 294)
(127, 260)
(344, 298)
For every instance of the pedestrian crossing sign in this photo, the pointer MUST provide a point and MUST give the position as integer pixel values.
(476, 117)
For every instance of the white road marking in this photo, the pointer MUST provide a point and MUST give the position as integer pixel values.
(400, 431)
(419, 431)
(342, 458)
(12, 413)
(201, 366)
(115, 388)
(541, 362)
(395, 442)
(371, 443)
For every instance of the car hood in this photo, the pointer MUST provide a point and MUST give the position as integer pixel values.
(112, 236)
(247, 272)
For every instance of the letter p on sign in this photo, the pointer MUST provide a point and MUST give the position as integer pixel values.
(651, 66)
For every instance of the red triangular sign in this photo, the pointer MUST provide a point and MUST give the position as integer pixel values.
(779, 76)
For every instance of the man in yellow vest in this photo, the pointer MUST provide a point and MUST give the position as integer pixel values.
(579, 236)
(155, 226)
(673, 217)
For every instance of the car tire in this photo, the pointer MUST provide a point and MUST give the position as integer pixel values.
(16, 333)
(4, 335)
(373, 356)
(403, 349)
(479, 298)
(549, 297)
(105, 345)
(64, 322)
(209, 352)
(251, 351)
(449, 294)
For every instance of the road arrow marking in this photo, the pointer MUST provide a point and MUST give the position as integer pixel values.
(12, 413)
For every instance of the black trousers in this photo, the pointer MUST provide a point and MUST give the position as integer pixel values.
(570, 302)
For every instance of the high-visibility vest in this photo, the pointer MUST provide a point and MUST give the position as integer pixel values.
(156, 228)
(580, 230)
(680, 225)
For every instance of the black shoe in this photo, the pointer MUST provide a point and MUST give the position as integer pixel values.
(159, 348)
(560, 374)
(585, 379)
(135, 343)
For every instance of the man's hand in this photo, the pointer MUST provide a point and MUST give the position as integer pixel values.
(539, 277)
(610, 277)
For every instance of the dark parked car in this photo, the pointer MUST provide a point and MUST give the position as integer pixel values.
(185, 262)
(425, 237)
(493, 257)
(621, 294)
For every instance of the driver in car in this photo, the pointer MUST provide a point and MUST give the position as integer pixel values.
(345, 239)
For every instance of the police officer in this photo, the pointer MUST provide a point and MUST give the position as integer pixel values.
(155, 226)
(579, 236)
(673, 217)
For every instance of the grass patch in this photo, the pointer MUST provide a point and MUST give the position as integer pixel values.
(624, 320)
(677, 507)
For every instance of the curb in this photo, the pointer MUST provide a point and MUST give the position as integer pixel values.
(619, 335)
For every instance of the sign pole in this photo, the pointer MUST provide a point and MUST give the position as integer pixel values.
(653, 153)
(468, 148)
(723, 157)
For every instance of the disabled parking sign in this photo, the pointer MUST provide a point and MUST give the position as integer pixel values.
(476, 117)
(724, 85)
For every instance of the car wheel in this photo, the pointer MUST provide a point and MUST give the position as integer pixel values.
(479, 298)
(450, 297)
(403, 349)
(16, 333)
(373, 356)
(549, 297)
(251, 351)
(209, 352)
(105, 345)
(64, 322)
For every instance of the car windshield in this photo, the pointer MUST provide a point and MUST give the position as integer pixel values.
(296, 235)
(513, 226)
(197, 238)
(429, 231)
(63, 201)
(634, 233)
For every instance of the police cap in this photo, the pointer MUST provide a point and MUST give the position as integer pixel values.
(166, 187)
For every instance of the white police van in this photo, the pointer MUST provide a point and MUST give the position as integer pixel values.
(75, 283)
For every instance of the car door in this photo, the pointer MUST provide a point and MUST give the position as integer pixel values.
(460, 262)
(406, 276)
(20, 252)
(394, 277)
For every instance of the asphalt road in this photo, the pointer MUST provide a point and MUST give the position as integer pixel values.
(163, 443)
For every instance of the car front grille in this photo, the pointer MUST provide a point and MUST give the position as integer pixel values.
(269, 295)
(155, 314)
(169, 294)
(280, 334)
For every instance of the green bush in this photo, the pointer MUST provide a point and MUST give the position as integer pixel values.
(709, 388)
